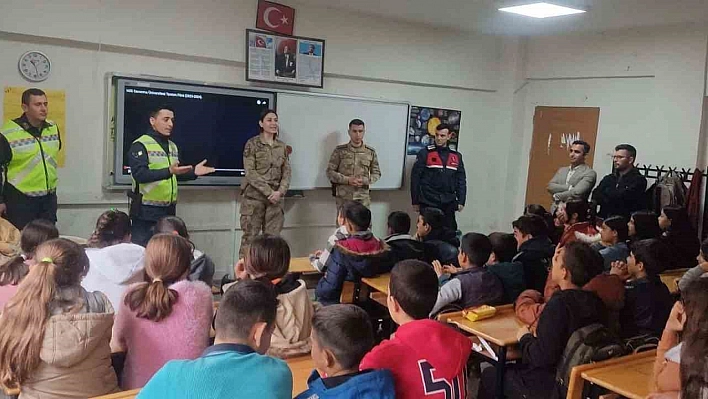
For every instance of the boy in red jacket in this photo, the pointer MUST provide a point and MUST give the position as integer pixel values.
(427, 358)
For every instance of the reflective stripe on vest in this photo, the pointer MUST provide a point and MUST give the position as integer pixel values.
(161, 192)
(33, 168)
(433, 161)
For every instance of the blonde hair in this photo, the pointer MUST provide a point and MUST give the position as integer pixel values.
(62, 263)
(35, 233)
(167, 260)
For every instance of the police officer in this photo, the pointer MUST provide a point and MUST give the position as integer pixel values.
(154, 165)
(438, 178)
(29, 146)
(353, 167)
(265, 159)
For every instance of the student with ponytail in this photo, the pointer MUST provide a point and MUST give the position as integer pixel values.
(202, 267)
(55, 335)
(268, 260)
(115, 261)
(15, 269)
(165, 317)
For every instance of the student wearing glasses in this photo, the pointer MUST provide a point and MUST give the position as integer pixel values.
(621, 193)
(574, 182)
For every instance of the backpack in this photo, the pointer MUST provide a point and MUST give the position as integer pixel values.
(592, 343)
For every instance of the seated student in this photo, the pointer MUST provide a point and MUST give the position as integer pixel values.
(647, 299)
(54, 339)
(694, 273)
(166, 317)
(235, 367)
(474, 285)
(535, 250)
(115, 261)
(500, 264)
(268, 260)
(441, 241)
(568, 310)
(319, 258)
(359, 255)
(341, 336)
(14, 270)
(403, 246)
(427, 358)
(578, 221)
(643, 225)
(613, 238)
(202, 267)
(679, 236)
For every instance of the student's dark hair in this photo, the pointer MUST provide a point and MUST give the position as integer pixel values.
(477, 247)
(268, 257)
(539, 210)
(680, 223)
(356, 122)
(629, 148)
(443, 126)
(586, 146)
(504, 246)
(433, 217)
(112, 227)
(646, 225)
(170, 225)
(243, 305)
(31, 92)
(654, 254)
(358, 215)
(618, 224)
(582, 262)
(155, 111)
(531, 224)
(35, 233)
(167, 260)
(399, 222)
(414, 285)
(580, 208)
(263, 114)
(346, 331)
(694, 379)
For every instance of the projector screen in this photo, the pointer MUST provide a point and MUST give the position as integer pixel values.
(211, 123)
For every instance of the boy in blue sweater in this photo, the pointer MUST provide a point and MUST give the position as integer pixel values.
(341, 336)
(235, 366)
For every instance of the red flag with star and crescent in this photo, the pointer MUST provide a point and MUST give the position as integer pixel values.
(275, 17)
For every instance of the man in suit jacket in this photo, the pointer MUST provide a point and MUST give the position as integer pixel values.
(574, 182)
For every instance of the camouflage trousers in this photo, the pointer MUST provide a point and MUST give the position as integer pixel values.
(259, 217)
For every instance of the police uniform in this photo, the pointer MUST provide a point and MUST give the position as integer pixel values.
(349, 161)
(154, 192)
(438, 180)
(267, 170)
(29, 159)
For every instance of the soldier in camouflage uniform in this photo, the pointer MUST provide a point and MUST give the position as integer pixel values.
(353, 167)
(265, 159)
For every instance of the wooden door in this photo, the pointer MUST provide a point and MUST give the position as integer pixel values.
(554, 130)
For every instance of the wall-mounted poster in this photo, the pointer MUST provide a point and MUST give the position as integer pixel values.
(424, 120)
(284, 59)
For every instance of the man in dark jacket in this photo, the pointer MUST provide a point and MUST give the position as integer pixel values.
(403, 246)
(535, 250)
(359, 255)
(438, 178)
(568, 310)
(621, 193)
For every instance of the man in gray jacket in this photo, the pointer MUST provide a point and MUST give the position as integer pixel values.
(574, 182)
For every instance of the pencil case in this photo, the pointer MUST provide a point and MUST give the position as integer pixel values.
(479, 313)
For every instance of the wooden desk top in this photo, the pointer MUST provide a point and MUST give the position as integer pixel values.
(379, 283)
(670, 277)
(301, 367)
(120, 395)
(500, 330)
(301, 265)
(629, 378)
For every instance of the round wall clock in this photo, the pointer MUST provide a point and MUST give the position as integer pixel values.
(34, 66)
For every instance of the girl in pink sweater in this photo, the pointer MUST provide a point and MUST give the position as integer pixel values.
(164, 318)
(12, 272)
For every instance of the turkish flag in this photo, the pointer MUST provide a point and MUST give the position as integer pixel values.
(275, 17)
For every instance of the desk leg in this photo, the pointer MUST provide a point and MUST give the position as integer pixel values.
(501, 367)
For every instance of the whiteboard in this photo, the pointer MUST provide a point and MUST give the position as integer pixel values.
(314, 124)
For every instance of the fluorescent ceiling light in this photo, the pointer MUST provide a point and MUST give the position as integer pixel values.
(542, 10)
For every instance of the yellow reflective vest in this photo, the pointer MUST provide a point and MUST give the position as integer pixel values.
(161, 192)
(33, 168)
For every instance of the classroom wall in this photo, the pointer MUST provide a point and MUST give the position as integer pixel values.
(649, 85)
(204, 41)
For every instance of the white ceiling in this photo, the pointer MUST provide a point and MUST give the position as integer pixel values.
(482, 15)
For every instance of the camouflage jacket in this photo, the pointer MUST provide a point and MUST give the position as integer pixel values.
(267, 168)
(349, 161)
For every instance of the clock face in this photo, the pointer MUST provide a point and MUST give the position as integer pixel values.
(34, 66)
